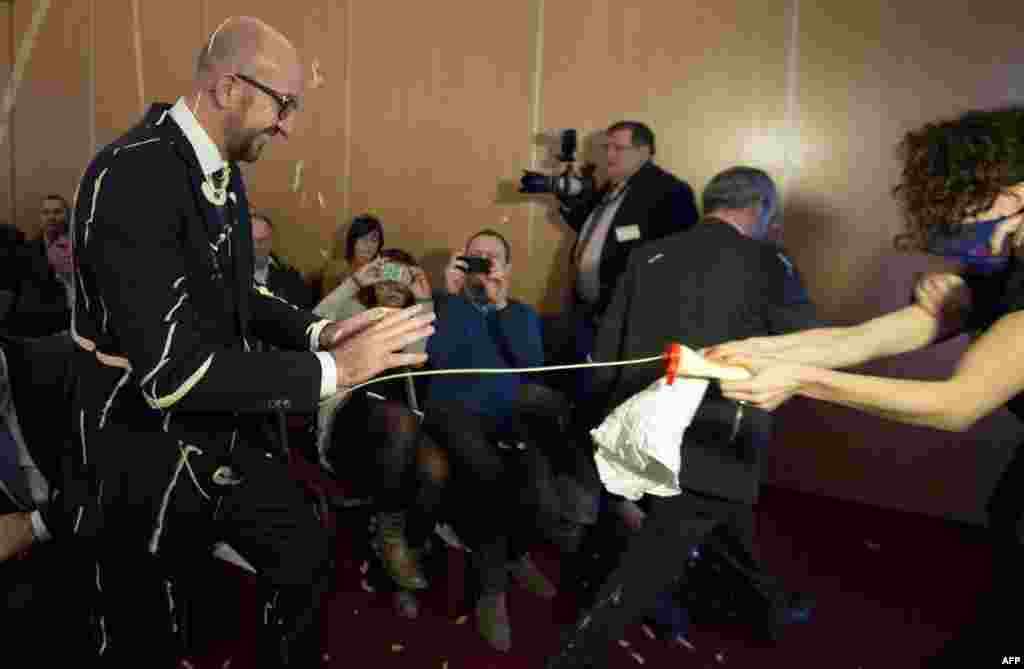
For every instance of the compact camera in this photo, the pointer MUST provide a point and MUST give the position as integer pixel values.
(393, 271)
(476, 265)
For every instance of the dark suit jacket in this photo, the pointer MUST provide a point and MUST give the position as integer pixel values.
(657, 202)
(701, 287)
(163, 328)
(287, 283)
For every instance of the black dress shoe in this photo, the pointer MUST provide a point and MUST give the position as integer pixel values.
(790, 609)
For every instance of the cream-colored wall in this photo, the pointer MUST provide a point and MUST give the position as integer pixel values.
(430, 111)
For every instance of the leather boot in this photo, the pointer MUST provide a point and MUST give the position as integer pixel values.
(394, 552)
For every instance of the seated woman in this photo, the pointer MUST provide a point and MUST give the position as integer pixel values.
(406, 470)
(361, 245)
(962, 192)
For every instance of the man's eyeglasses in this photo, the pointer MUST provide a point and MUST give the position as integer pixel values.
(286, 104)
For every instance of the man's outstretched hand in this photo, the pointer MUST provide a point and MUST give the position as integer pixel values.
(374, 346)
(337, 332)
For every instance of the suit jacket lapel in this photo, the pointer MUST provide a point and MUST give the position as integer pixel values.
(238, 210)
(214, 223)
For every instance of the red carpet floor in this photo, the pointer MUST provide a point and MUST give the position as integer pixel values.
(891, 588)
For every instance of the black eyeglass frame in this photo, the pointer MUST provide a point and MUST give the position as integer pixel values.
(286, 104)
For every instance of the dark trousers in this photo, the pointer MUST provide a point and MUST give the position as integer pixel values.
(995, 633)
(267, 519)
(653, 560)
(377, 445)
(483, 495)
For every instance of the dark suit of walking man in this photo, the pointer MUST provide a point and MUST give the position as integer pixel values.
(710, 284)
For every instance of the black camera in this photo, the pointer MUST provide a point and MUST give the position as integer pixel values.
(566, 184)
(476, 265)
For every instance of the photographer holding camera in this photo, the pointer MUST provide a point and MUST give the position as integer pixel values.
(639, 202)
(471, 416)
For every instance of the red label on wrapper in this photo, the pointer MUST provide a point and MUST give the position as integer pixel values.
(672, 353)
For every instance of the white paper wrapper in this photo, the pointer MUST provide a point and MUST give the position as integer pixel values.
(638, 444)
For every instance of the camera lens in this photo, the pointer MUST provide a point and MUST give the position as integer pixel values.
(535, 182)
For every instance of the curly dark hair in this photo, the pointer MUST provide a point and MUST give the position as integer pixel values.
(368, 296)
(956, 169)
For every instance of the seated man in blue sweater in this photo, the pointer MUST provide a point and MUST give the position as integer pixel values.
(472, 415)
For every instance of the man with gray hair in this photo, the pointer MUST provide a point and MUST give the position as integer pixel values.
(716, 282)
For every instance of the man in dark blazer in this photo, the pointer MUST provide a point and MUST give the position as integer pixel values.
(713, 283)
(640, 202)
(172, 402)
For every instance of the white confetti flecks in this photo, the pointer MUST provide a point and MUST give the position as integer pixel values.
(365, 567)
(461, 620)
(444, 665)
(648, 631)
(297, 176)
(623, 643)
(720, 657)
(366, 586)
(638, 657)
(355, 612)
(682, 641)
(321, 200)
(872, 546)
(318, 79)
(397, 648)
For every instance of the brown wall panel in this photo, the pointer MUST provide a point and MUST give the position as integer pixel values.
(868, 72)
(6, 51)
(440, 117)
(51, 117)
(171, 35)
(117, 90)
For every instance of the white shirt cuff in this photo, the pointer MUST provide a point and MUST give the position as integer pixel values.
(329, 374)
(314, 334)
(39, 529)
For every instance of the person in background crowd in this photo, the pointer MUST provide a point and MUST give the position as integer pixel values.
(41, 297)
(363, 242)
(273, 273)
(638, 203)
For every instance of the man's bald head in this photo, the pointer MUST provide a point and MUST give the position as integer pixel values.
(246, 44)
(251, 78)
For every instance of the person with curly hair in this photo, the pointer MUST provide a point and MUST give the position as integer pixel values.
(962, 193)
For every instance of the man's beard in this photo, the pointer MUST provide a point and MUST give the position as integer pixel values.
(248, 150)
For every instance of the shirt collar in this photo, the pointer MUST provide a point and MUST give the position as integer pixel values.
(207, 153)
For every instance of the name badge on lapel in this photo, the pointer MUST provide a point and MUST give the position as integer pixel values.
(627, 233)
